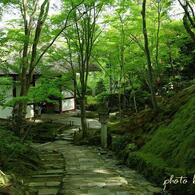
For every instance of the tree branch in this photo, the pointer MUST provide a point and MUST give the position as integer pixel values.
(58, 34)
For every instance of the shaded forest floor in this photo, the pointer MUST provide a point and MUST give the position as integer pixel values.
(157, 145)
(83, 170)
(160, 145)
(65, 168)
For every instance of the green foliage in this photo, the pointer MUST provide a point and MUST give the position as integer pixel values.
(176, 149)
(16, 155)
(91, 105)
(45, 132)
(91, 100)
(6, 85)
(100, 87)
(119, 142)
(170, 149)
(44, 90)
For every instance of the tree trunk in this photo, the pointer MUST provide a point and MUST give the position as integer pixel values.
(83, 117)
(21, 107)
(157, 39)
(134, 102)
(119, 102)
(147, 53)
(171, 59)
(110, 79)
(188, 28)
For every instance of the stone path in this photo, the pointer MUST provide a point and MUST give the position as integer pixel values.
(48, 180)
(87, 171)
(68, 119)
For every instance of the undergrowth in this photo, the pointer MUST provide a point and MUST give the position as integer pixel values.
(168, 141)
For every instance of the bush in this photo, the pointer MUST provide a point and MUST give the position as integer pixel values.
(112, 100)
(100, 87)
(16, 156)
(45, 132)
(91, 103)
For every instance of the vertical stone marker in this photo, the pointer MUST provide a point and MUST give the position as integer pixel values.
(104, 135)
(103, 118)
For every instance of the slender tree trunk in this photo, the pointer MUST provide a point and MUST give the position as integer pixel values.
(147, 53)
(134, 102)
(188, 28)
(122, 62)
(30, 58)
(119, 103)
(83, 117)
(110, 78)
(21, 108)
(189, 18)
(171, 59)
(157, 38)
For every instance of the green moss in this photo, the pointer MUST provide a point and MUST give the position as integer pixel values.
(171, 147)
(16, 155)
(175, 143)
(149, 165)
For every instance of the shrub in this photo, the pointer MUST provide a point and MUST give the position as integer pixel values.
(16, 156)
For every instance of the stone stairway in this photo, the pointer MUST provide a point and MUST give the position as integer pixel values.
(83, 170)
(66, 136)
(48, 180)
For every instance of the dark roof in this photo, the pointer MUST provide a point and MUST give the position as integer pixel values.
(92, 68)
(55, 68)
(3, 72)
(12, 72)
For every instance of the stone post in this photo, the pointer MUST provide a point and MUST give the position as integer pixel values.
(103, 118)
(104, 135)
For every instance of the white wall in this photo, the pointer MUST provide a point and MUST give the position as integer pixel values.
(7, 91)
(68, 104)
(5, 112)
(67, 94)
(30, 111)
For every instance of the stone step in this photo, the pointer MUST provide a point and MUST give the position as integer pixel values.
(65, 137)
(50, 156)
(49, 161)
(46, 179)
(47, 176)
(51, 166)
(45, 184)
(51, 171)
(48, 191)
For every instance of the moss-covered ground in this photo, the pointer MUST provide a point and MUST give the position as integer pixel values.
(165, 142)
(18, 160)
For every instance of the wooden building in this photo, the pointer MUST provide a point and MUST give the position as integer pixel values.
(12, 89)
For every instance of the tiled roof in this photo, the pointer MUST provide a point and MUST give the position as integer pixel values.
(55, 68)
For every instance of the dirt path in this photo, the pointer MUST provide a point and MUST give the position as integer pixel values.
(87, 171)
